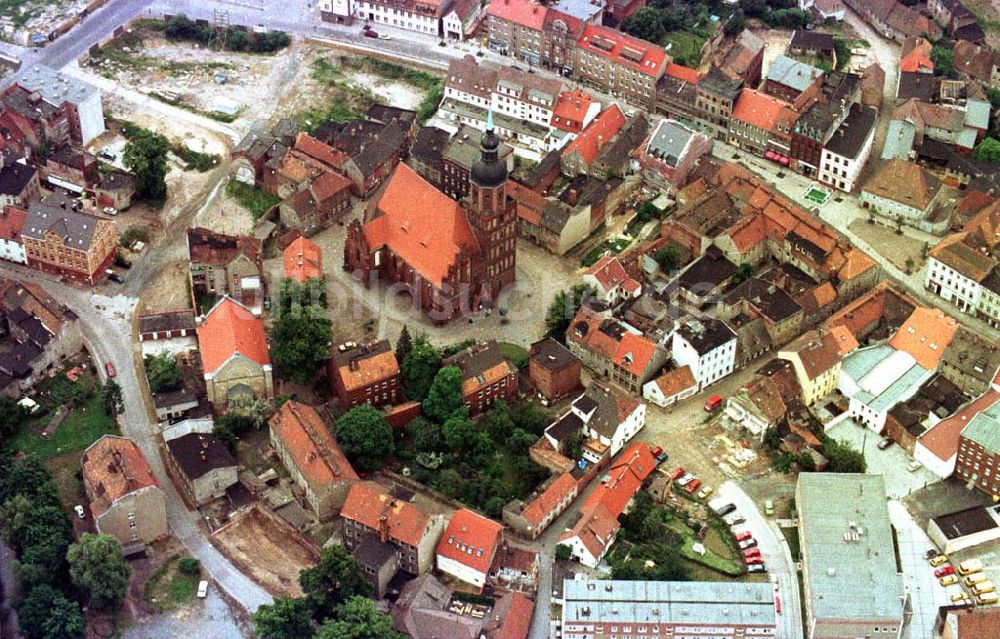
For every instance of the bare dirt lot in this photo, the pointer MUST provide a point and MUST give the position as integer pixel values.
(266, 551)
(895, 248)
(19, 19)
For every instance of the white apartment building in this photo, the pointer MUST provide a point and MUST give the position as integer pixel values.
(341, 11)
(952, 286)
(706, 345)
(422, 16)
(845, 155)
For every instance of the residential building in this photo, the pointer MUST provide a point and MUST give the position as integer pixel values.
(739, 57)
(872, 85)
(364, 374)
(19, 185)
(903, 190)
(787, 78)
(762, 124)
(817, 357)
(30, 119)
(813, 44)
(312, 457)
(79, 100)
(707, 346)
(126, 500)
(364, 151)
(611, 281)
(937, 448)
(467, 547)
(620, 65)
(967, 623)
(757, 406)
(378, 560)
(234, 357)
(715, 96)
(755, 298)
(318, 203)
(671, 387)
(846, 153)
(462, 19)
(261, 150)
(670, 153)
(553, 369)
(175, 331)
(849, 574)
(958, 20)
(337, 11)
(532, 518)
(593, 609)
(608, 421)
(11, 245)
(963, 267)
(369, 511)
(977, 62)
(596, 526)
(60, 238)
(303, 260)
(204, 466)
(226, 265)
(574, 111)
(970, 361)
(116, 189)
(614, 349)
(979, 451)
(427, 153)
(581, 153)
(72, 168)
(422, 16)
(487, 376)
(465, 268)
(516, 28)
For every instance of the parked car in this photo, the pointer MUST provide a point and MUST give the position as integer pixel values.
(109, 368)
(80, 512)
(914, 466)
(693, 486)
(743, 536)
(959, 596)
(122, 262)
(368, 33)
(751, 552)
(885, 443)
(346, 346)
(713, 403)
(685, 480)
(768, 507)
(725, 509)
(748, 543)
(756, 567)
(949, 580)
(202, 589)
(734, 518)
(110, 210)
(937, 561)
(113, 276)
(677, 473)
(107, 155)
(384, 36)
(754, 560)
(660, 455)
(944, 571)
(704, 492)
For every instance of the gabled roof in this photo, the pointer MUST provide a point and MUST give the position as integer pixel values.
(554, 494)
(791, 73)
(595, 528)
(421, 225)
(217, 249)
(471, 540)
(303, 260)
(571, 110)
(763, 111)
(639, 55)
(820, 351)
(319, 151)
(925, 335)
(113, 467)
(623, 479)
(635, 353)
(598, 134)
(198, 454)
(229, 329)
(675, 381)
(681, 72)
(365, 364)
(906, 183)
(370, 506)
(523, 12)
(310, 444)
(609, 273)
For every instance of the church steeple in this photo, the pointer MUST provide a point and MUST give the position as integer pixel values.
(489, 171)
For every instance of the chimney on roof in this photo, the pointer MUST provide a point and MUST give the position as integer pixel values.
(572, 197)
(383, 528)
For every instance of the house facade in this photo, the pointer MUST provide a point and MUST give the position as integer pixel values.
(235, 357)
(61, 239)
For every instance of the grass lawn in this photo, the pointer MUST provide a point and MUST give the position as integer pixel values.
(711, 558)
(168, 588)
(517, 355)
(64, 469)
(253, 198)
(81, 428)
(686, 45)
(817, 195)
(612, 246)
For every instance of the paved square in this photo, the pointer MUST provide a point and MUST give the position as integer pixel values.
(891, 462)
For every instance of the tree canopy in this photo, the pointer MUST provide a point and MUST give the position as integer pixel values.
(563, 309)
(843, 458)
(445, 394)
(403, 345)
(146, 156)
(302, 333)
(357, 618)
(286, 618)
(365, 437)
(99, 570)
(46, 613)
(418, 369)
(335, 579)
(111, 398)
(163, 373)
(988, 150)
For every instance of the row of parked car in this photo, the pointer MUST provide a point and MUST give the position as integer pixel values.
(970, 575)
(744, 538)
(691, 484)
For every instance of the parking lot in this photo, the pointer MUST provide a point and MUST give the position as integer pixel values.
(891, 463)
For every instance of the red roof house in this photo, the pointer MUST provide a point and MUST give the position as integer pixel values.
(303, 260)
(234, 355)
(467, 547)
(581, 152)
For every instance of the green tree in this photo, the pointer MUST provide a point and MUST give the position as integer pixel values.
(418, 369)
(99, 570)
(843, 458)
(12, 417)
(772, 438)
(336, 578)
(458, 432)
(498, 422)
(111, 398)
(365, 437)
(988, 151)
(163, 373)
(531, 418)
(426, 436)
(357, 618)
(668, 258)
(736, 24)
(286, 618)
(445, 394)
(743, 273)
(46, 613)
(146, 155)
(300, 339)
(646, 25)
(564, 307)
(943, 60)
(237, 40)
(563, 552)
(403, 345)
(189, 565)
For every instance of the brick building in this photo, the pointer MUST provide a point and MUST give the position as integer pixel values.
(365, 374)
(60, 238)
(487, 376)
(553, 369)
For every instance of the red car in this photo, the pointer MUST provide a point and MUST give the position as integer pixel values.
(743, 536)
(109, 368)
(944, 571)
(713, 402)
(657, 450)
(693, 486)
(368, 33)
(677, 473)
(755, 559)
(751, 552)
